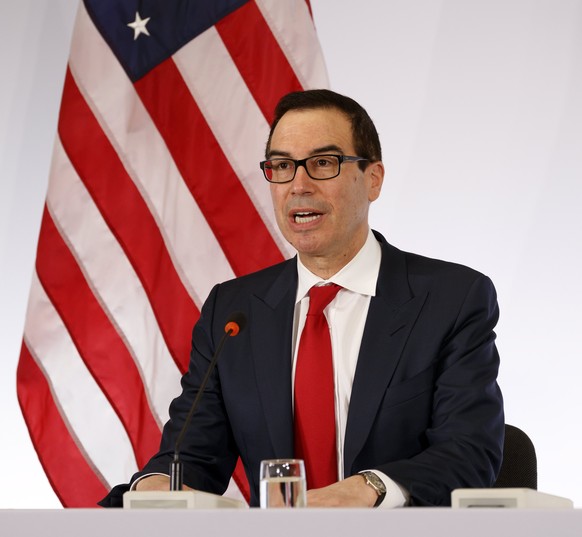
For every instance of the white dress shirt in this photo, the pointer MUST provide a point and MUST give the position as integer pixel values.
(346, 315)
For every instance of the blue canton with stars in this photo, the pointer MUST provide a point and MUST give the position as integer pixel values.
(171, 24)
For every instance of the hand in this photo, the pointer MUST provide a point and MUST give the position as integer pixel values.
(156, 482)
(350, 492)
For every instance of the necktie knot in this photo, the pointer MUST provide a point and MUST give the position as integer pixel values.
(320, 296)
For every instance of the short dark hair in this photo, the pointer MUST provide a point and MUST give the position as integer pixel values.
(365, 137)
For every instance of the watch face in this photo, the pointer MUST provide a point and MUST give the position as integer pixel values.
(375, 482)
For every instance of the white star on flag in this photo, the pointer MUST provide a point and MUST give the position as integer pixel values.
(139, 26)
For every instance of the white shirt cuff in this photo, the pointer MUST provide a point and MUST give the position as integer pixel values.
(134, 484)
(396, 495)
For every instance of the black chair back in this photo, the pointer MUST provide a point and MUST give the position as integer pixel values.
(519, 468)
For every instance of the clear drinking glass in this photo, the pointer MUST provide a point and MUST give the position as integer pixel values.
(283, 483)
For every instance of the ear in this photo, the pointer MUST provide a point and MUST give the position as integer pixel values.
(375, 173)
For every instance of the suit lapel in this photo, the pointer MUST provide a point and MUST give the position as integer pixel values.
(391, 317)
(271, 333)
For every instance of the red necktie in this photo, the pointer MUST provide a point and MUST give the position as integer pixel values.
(315, 440)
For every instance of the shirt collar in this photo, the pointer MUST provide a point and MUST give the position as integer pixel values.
(360, 275)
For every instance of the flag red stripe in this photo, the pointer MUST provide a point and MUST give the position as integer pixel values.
(258, 56)
(116, 196)
(73, 478)
(103, 351)
(240, 478)
(206, 171)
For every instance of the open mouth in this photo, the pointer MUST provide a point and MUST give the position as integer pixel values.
(305, 217)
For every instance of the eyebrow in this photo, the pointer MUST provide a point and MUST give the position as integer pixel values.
(316, 151)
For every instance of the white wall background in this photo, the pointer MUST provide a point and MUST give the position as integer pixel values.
(479, 108)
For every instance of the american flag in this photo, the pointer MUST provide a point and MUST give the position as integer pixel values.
(154, 196)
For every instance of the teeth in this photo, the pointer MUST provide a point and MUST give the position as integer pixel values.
(304, 218)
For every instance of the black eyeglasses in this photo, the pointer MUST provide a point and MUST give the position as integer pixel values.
(319, 167)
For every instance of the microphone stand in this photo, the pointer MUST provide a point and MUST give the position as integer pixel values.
(232, 328)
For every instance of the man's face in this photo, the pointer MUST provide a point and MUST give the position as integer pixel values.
(325, 221)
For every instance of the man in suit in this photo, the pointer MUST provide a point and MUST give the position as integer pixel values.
(417, 406)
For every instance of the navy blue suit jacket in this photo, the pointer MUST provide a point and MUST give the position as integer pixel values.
(425, 407)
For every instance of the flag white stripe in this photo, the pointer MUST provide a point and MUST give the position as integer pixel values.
(233, 116)
(113, 281)
(122, 116)
(83, 406)
(293, 28)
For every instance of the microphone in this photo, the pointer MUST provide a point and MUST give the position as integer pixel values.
(235, 324)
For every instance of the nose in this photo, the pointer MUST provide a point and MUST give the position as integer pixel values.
(302, 182)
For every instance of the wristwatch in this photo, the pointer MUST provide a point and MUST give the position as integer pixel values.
(372, 480)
